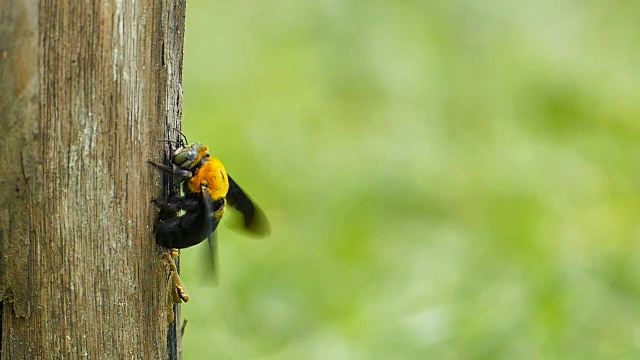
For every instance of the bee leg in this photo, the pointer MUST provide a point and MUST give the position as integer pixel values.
(169, 206)
(162, 167)
(168, 209)
(176, 203)
(175, 171)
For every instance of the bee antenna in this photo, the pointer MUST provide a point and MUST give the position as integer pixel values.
(184, 138)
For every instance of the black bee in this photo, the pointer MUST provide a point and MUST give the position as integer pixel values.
(207, 189)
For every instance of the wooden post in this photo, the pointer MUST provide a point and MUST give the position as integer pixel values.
(86, 90)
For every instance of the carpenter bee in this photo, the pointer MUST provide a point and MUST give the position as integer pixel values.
(194, 215)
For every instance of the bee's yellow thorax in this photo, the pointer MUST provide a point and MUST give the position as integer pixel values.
(213, 175)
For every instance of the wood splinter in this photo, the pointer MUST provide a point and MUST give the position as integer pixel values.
(176, 291)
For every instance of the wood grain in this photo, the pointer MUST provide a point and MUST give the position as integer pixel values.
(86, 89)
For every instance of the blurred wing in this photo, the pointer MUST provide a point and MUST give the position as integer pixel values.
(213, 263)
(254, 221)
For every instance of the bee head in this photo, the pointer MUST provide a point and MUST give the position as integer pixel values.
(188, 156)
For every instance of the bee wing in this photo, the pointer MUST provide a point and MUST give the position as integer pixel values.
(254, 220)
(213, 260)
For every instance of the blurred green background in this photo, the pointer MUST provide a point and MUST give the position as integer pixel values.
(444, 179)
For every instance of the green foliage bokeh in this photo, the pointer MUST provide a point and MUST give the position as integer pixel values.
(444, 179)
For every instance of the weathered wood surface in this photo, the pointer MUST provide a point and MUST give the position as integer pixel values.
(86, 89)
